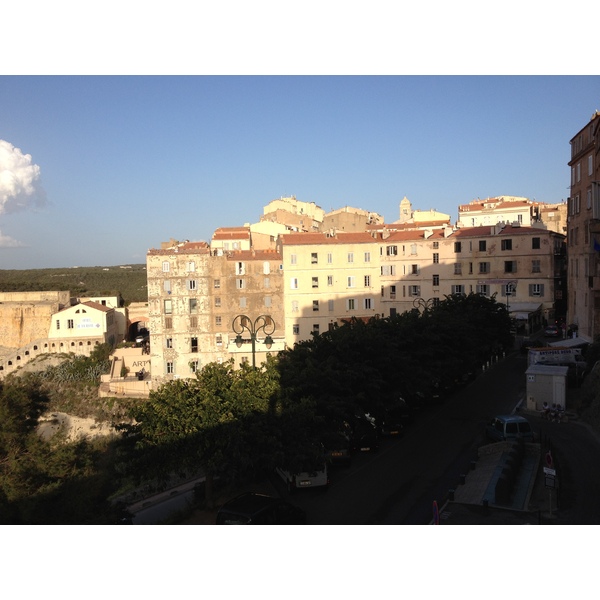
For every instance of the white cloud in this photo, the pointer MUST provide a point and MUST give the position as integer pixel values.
(19, 180)
(8, 242)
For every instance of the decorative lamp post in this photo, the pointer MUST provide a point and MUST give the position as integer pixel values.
(263, 323)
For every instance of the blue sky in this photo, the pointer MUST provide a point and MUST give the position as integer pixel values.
(126, 162)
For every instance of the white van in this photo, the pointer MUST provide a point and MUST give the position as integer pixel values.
(304, 479)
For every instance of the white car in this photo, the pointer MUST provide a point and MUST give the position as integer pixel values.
(304, 479)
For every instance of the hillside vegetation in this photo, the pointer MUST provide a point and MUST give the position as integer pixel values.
(81, 281)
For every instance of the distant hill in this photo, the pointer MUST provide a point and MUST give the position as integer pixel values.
(127, 280)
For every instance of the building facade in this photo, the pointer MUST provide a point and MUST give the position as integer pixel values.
(583, 246)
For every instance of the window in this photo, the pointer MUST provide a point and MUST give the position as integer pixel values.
(413, 248)
(70, 324)
(510, 266)
(536, 289)
(392, 292)
(436, 258)
(330, 305)
(350, 257)
(388, 269)
(194, 366)
(267, 282)
(193, 306)
(436, 280)
(506, 244)
(266, 267)
(457, 247)
(351, 280)
(315, 282)
(329, 258)
(218, 320)
(536, 266)
(414, 290)
(295, 306)
(484, 267)
(458, 289)
(167, 286)
(368, 303)
(316, 329)
(170, 368)
(166, 267)
(296, 329)
(367, 281)
(191, 284)
(315, 305)
(535, 243)
(329, 279)
(217, 284)
(294, 283)
(391, 250)
(191, 266)
(457, 269)
(367, 257)
(240, 284)
(482, 245)
(219, 339)
(243, 302)
(509, 289)
(194, 344)
(217, 302)
(268, 301)
(193, 322)
(293, 259)
(168, 305)
(436, 245)
(240, 268)
(350, 304)
(314, 258)
(169, 342)
(168, 323)
(414, 269)
(483, 289)
(590, 165)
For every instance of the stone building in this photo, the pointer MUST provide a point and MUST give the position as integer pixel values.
(194, 294)
(583, 248)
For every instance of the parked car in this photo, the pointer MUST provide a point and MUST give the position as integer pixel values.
(259, 509)
(142, 336)
(552, 331)
(395, 418)
(365, 437)
(338, 446)
(312, 477)
(506, 427)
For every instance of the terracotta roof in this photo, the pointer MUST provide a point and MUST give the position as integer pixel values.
(97, 306)
(231, 233)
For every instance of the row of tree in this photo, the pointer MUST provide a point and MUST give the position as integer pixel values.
(237, 422)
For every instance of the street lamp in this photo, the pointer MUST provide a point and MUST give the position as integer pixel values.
(510, 288)
(423, 305)
(263, 323)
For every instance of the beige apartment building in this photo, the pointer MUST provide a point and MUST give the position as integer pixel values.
(196, 292)
(583, 247)
(328, 278)
(425, 266)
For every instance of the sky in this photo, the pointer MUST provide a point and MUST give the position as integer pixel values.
(95, 170)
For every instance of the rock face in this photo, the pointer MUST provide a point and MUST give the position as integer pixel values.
(74, 427)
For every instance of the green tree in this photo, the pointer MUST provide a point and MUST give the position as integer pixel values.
(221, 422)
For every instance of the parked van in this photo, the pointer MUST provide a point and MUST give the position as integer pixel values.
(506, 427)
(305, 479)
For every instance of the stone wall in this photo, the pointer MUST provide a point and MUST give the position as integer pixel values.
(21, 323)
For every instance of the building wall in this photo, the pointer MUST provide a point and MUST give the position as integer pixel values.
(62, 298)
(584, 231)
(24, 322)
(328, 278)
(193, 301)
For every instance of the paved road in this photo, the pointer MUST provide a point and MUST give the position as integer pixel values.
(399, 483)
